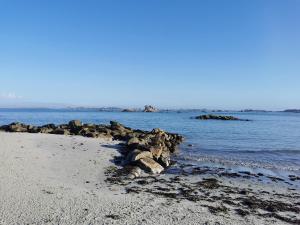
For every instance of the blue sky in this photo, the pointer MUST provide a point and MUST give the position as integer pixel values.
(214, 54)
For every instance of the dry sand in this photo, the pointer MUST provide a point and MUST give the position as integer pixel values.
(52, 179)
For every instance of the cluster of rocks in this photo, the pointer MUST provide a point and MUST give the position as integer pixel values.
(218, 117)
(147, 150)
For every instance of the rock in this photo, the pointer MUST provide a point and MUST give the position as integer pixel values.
(150, 165)
(134, 173)
(50, 126)
(17, 127)
(217, 117)
(75, 126)
(45, 130)
(137, 154)
(149, 108)
(156, 152)
(165, 158)
(4, 128)
(91, 134)
(116, 126)
(135, 142)
(33, 129)
(75, 123)
(61, 131)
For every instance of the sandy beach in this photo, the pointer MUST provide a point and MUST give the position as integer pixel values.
(57, 179)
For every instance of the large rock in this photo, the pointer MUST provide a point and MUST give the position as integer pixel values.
(150, 165)
(137, 154)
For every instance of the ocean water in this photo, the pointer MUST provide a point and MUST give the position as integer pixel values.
(270, 143)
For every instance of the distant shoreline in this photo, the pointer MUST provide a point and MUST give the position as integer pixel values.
(133, 110)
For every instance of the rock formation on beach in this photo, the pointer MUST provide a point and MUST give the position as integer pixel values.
(145, 150)
(218, 117)
(149, 108)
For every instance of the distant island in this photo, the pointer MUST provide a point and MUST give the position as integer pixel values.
(255, 110)
(292, 110)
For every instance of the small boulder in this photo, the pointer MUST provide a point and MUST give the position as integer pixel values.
(134, 172)
(150, 165)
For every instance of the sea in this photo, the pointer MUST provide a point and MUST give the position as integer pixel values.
(269, 143)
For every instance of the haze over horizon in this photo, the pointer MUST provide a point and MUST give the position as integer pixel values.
(179, 54)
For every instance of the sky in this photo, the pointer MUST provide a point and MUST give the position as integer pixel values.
(232, 54)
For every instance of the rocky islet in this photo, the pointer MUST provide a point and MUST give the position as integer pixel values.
(218, 117)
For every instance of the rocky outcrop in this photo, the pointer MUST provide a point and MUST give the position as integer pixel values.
(147, 150)
(218, 117)
(149, 108)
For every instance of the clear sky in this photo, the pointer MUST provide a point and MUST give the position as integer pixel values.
(170, 53)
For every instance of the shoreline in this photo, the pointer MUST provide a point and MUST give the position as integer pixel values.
(58, 179)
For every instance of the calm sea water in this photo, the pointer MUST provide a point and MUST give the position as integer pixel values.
(269, 143)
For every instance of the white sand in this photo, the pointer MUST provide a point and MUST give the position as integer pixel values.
(52, 179)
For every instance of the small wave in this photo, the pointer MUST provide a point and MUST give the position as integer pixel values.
(287, 151)
(238, 162)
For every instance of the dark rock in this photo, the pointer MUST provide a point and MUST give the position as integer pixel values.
(50, 126)
(75, 126)
(61, 131)
(165, 159)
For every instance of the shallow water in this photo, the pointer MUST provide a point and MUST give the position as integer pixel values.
(269, 143)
